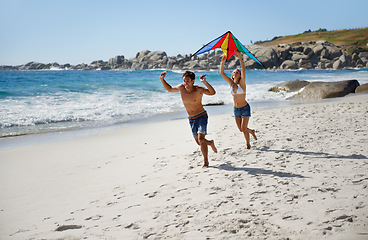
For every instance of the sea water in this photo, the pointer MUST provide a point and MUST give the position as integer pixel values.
(53, 101)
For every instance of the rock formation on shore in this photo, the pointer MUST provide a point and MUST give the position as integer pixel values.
(307, 55)
(289, 86)
(362, 88)
(320, 90)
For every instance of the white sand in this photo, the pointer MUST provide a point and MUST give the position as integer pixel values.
(305, 178)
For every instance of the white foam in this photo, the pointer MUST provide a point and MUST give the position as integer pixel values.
(108, 106)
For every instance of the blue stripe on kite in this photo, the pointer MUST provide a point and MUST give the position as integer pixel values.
(249, 53)
(208, 47)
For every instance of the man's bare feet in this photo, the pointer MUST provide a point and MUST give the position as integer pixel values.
(251, 131)
(205, 165)
(212, 144)
(248, 146)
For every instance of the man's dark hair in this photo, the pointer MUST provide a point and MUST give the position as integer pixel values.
(189, 74)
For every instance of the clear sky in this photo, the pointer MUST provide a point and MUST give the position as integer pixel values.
(81, 31)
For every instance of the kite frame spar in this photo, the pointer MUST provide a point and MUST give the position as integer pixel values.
(228, 44)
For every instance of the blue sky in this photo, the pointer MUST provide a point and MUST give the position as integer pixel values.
(80, 31)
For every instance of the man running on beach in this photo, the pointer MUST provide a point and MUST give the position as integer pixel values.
(191, 96)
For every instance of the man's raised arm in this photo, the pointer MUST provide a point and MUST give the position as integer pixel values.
(167, 86)
(210, 90)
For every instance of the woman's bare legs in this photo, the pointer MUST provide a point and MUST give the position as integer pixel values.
(242, 124)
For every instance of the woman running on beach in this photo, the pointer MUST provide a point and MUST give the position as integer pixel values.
(238, 90)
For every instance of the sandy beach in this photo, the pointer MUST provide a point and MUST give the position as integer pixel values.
(304, 178)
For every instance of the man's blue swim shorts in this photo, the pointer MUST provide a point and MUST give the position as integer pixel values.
(198, 123)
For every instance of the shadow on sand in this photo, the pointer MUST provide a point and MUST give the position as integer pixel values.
(256, 171)
(316, 154)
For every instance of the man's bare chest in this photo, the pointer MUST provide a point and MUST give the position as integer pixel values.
(191, 97)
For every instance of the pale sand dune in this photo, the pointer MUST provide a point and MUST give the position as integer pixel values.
(304, 178)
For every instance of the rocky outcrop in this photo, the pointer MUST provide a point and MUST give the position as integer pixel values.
(362, 88)
(307, 55)
(321, 90)
(289, 86)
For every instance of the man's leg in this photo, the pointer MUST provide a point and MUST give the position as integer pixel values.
(204, 148)
(203, 142)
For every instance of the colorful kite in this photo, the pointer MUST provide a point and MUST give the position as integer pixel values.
(229, 44)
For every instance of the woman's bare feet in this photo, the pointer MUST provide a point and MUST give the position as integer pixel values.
(251, 131)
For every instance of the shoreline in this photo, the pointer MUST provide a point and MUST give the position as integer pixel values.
(305, 177)
(29, 139)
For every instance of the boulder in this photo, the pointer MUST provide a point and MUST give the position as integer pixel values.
(364, 56)
(313, 58)
(297, 47)
(42, 66)
(333, 52)
(297, 57)
(306, 64)
(116, 60)
(321, 90)
(289, 64)
(324, 43)
(30, 66)
(154, 56)
(307, 50)
(252, 65)
(170, 63)
(324, 53)
(265, 55)
(203, 64)
(338, 64)
(98, 64)
(362, 88)
(193, 65)
(7, 68)
(355, 57)
(283, 52)
(105, 68)
(141, 54)
(235, 63)
(318, 49)
(289, 86)
(346, 60)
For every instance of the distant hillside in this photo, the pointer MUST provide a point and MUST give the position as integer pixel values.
(351, 40)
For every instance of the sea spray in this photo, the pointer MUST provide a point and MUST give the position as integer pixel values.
(44, 101)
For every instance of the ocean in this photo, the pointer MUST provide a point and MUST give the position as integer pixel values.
(33, 102)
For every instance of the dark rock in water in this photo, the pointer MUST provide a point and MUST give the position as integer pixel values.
(362, 88)
(289, 86)
(214, 103)
(321, 90)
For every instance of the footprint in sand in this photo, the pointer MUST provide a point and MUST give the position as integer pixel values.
(132, 226)
(94, 218)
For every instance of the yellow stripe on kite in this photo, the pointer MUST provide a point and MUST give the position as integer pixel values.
(225, 44)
